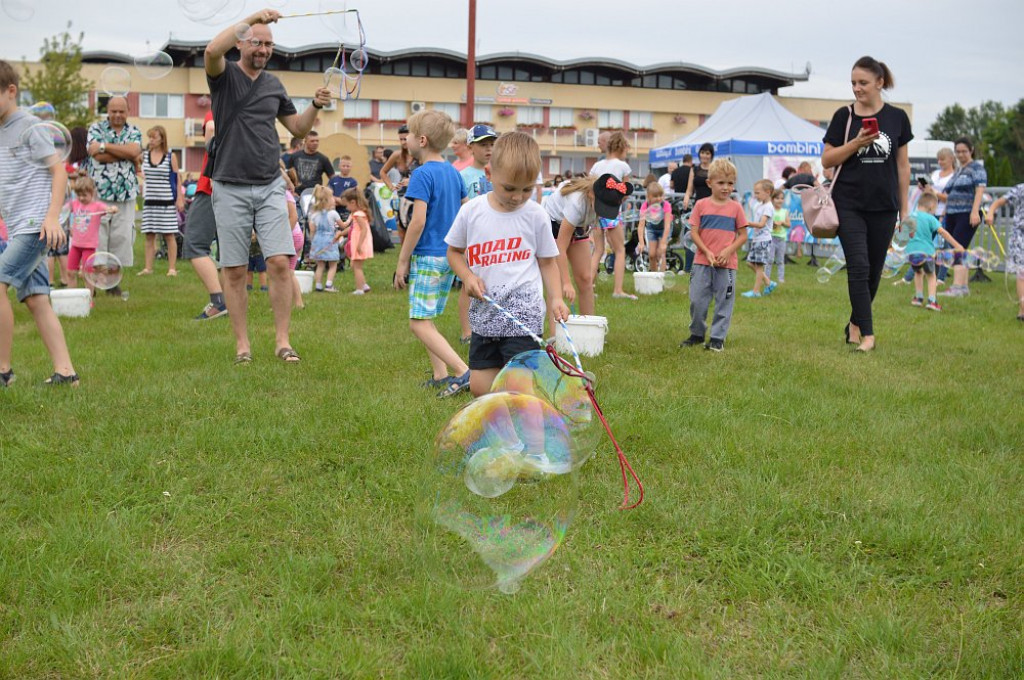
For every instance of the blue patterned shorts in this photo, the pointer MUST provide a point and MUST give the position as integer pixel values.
(430, 279)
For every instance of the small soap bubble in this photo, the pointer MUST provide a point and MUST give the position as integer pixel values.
(102, 270)
(115, 81)
(154, 65)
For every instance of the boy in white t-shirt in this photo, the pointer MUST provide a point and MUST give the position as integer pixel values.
(759, 250)
(501, 245)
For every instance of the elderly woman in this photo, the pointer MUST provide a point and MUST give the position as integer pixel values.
(963, 209)
(867, 141)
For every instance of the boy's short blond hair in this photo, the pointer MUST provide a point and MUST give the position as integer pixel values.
(436, 126)
(765, 185)
(518, 154)
(927, 202)
(722, 169)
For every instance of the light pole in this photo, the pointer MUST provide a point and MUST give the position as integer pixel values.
(469, 112)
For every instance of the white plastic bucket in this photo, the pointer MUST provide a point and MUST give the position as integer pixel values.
(587, 334)
(305, 281)
(648, 283)
(71, 301)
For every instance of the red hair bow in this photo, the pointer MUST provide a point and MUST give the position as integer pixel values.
(618, 186)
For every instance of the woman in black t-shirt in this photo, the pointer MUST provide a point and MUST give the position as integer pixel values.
(871, 190)
(697, 185)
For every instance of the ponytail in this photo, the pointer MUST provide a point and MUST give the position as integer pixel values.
(878, 68)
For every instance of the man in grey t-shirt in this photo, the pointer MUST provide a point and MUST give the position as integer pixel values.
(248, 190)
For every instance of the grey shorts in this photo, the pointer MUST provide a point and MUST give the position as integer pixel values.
(760, 252)
(241, 208)
(200, 228)
(118, 233)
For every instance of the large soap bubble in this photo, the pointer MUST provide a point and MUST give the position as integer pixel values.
(19, 10)
(44, 144)
(894, 261)
(102, 270)
(534, 373)
(212, 12)
(115, 81)
(904, 231)
(154, 65)
(499, 492)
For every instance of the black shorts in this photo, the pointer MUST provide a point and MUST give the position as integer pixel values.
(578, 234)
(487, 353)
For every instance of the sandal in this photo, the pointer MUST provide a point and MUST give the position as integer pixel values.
(172, 272)
(434, 383)
(145, 272)
(243, 358)
(58, 379)
(7, 378)
(288, 355)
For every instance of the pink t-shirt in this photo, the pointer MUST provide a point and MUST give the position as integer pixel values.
(717, 225)
(85, 223)
(461, 165)
(3, 231)
(360, 229)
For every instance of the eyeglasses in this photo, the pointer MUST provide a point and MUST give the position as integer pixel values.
(257, 43)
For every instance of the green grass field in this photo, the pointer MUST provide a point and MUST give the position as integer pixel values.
(810, 512)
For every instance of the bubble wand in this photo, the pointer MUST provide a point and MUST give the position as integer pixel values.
(588, 383)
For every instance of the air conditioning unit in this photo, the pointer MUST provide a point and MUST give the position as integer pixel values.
(418, 106)
(590, 136)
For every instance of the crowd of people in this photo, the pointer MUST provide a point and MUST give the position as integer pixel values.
(523, 258)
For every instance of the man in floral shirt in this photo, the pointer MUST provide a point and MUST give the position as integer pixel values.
(114, 144)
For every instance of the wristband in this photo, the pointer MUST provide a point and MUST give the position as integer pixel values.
(315, 106)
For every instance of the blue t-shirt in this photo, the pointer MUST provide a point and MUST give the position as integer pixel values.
(962, 187)
(340, 185)
(476, 181)
(923, 241)
(440, 186)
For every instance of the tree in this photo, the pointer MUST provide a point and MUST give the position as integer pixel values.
(955, 121)
(59, 79)
(1004, 142)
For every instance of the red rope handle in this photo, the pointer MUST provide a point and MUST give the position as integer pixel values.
(627, 469)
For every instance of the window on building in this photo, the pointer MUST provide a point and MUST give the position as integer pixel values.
(560, 117)
(358, 108)
(609, 119)
(401, 68)
(487, 73)
(555, 165)
(529, 115)
(482, 113)
(504, 73)
(641, 119)
(587, 77)
(391, 110)
(447, 107)
(161, 106)
(419, 68)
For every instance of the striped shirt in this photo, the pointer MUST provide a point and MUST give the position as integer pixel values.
(24, 187)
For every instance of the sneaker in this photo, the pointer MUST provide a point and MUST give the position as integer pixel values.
(692, 341)
(366, 288)
(212, 311)
(771, 286)
(330, 289)
(359, 292)
(954, 291)
(751, 294)
(456, 385)
(7, 378)
(934, 306)
(715, 345)
(623, 296)
(916, 301)
(901, 282)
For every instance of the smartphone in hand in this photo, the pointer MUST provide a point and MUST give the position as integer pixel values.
(871, 125)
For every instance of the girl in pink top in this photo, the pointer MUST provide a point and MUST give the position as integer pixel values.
(86, 213)
(360, 242)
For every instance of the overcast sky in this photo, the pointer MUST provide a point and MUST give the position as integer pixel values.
(941, 51)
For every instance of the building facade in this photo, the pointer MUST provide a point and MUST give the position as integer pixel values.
(563, 104)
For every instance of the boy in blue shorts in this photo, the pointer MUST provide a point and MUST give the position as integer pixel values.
(33, 183)
(921, 250)
(436, 191)
(501, 245)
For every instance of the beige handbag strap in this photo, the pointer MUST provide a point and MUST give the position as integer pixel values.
(849, 121)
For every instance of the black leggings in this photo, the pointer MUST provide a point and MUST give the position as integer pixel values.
(865, 236)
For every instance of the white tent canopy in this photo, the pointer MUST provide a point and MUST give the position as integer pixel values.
(756, 125)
